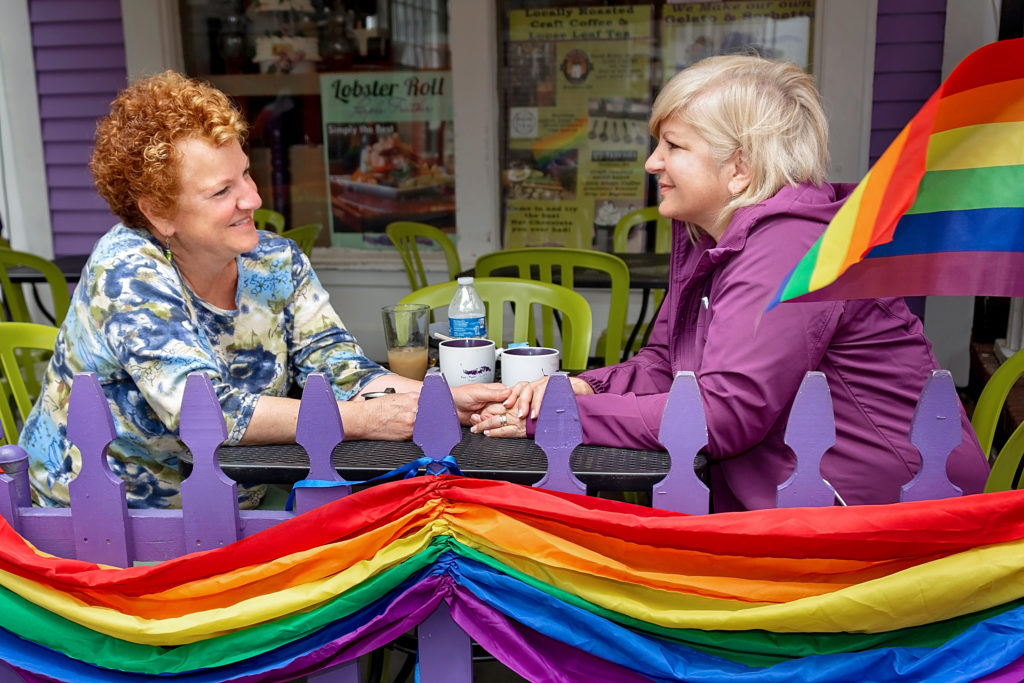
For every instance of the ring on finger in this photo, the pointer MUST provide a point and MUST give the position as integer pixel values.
(504, 419)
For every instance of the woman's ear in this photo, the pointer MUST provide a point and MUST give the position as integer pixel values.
(739, 178)
(163, 226)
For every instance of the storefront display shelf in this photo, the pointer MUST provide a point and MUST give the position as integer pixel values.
(266, 85)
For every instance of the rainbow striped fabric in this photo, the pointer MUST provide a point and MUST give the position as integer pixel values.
(571, 136)
(560, 587)
(942, 210)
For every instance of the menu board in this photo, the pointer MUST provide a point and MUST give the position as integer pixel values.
(777, 29)
(389, 152)
(577, 98)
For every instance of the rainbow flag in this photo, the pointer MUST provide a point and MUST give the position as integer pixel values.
(942, 211)
(556, 586)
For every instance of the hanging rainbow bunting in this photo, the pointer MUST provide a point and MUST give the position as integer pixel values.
(942, 211)
(558, 586)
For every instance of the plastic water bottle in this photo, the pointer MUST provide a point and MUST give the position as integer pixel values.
(466, 314)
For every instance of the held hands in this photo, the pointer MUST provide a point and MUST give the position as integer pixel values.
(472, 398)
(508, 418)
(378, 414)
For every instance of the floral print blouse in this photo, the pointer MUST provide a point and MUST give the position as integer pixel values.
(136, 324)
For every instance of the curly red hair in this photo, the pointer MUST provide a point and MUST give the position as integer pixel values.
(135, 154)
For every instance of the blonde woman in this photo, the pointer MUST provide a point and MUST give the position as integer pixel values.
(741, 157)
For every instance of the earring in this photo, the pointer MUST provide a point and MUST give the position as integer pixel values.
(167, 249)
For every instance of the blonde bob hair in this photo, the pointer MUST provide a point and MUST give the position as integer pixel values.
(768, 112)
(135, 155)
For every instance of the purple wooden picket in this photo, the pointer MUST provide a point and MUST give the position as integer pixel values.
(445, 651)
(100, 522)
(558, 434)
(347, 672)
(209, 498)
(935, 431)
(436, 430)
(318, 431)
(810, 431)
(683, 432)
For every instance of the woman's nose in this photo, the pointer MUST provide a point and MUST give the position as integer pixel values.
(653, 163)
(250, 199)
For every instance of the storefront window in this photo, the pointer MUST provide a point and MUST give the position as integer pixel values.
(578, 82)
(349, 105)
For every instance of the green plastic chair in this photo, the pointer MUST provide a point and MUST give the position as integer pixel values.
(646, 215)
(14, 295)
(268, 219)
(404, 235)
(522, 295)
(304, 236)
(23, 358)
(985, 420)
(643, 218)
(542, 263)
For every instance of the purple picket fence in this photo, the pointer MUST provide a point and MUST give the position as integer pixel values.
(99, 527)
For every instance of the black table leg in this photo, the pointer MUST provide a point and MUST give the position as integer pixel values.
(42, 308)
(639, 324)
(657, 310)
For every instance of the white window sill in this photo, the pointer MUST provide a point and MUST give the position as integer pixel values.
(328, 258)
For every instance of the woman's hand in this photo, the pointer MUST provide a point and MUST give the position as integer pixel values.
(387, 418)
(472, 398)
(526, 397)
(508, 419)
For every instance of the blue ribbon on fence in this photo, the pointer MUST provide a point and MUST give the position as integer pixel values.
(448, 466)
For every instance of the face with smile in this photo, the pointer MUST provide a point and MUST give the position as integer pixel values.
(694, 187)
(212, 221)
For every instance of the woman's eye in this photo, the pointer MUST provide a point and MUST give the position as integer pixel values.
(221, 192)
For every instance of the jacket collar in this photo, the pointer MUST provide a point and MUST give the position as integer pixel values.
(803, 200)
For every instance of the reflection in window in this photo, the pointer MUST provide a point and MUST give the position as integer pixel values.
(279, 59)
(420, 33)
(578, 78)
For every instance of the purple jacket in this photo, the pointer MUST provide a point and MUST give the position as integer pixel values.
(749, 364)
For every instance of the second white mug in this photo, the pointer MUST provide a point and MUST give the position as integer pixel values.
(527, 363)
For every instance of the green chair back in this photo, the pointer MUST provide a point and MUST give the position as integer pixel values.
(662, 245)
(14, 295)
(1005, 473)
(268, 219)
(403, 235)
(21, 369)
(304, 236)
(542, 263)
(644, 216)
(522, 295)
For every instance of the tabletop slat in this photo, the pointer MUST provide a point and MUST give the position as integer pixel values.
(518, 460)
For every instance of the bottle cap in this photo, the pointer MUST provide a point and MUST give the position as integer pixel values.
(465, 280)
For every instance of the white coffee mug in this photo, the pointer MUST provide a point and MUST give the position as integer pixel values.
(527, 363)
(467, 361)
